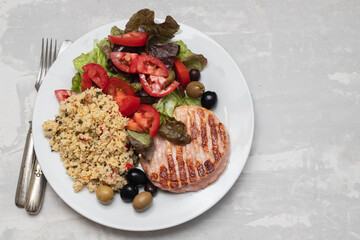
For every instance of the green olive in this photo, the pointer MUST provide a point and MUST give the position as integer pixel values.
(104, 194)
(142, 201)
(195, 89)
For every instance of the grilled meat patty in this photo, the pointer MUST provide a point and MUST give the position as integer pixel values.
(190, 167)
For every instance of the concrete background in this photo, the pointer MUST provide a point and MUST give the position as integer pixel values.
(301, 60)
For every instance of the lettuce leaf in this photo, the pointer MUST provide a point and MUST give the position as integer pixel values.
(191, 101)
(116, 31)
(190, 59)
(167, 104)
(143, 21)
(165, 53)
(94, 56)
(76, 83)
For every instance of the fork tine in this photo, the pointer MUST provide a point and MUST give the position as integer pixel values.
(49, 57)
(55, 52)
(41, 63)
(46, 55)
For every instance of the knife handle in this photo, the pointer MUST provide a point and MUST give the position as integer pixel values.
(36, 190)
(27, 164)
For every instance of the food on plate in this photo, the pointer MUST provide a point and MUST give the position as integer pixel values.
(195, 89)
(151, 188)
(182, 72)
(194, 75)
(190, 167)
(128, 192)
(90, 135)
(142, 201)
(136, 176)
(208, 99)
(104, 194)
(139, 97)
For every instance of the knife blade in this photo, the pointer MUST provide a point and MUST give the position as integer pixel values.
(32, 183)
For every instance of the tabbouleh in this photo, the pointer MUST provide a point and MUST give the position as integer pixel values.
(90, 135)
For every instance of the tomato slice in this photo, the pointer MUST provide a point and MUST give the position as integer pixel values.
(124, 61)
(63, 94)
(86, 82)
(116, 84)
(131, 39)
(127, 104)
(97, 74)
(182, 72)
(145, 119)
(123, 94)
(157, 86)
(147, 64)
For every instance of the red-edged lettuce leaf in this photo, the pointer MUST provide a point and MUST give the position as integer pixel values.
(143, 21)
(165, 53)
(190, 59)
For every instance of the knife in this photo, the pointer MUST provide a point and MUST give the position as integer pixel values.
(31, 184)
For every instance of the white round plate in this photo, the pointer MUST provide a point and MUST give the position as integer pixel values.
(234, 109)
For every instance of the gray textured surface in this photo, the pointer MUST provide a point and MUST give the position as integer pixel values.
(301, 61)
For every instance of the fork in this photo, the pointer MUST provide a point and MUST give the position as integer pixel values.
(29, 162)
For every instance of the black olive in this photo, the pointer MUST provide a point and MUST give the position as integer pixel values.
(208, 99)
(194, 75)
(151, 188)
(136, 176)
(128, 192)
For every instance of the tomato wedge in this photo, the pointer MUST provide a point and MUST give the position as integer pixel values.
(116, 84)
(97, 74)
(157, 86)
(182, 73)
(124, 61)
(131, 39)
(145, 119)
(86, 82)
(123, 94)
(127, 104)
(147, 64)
(63, 94)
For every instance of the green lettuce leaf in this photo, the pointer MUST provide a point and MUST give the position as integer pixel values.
(143, 138)
(94, 56)
(116, 31)
(167, 104)
(143, 20)
(191, 101)
(76, 83)
(136, 86)
(105, 47)
(190, 59)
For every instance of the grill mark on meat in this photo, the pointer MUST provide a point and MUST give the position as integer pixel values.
(191, 170)
(163, 176)
(209, 166)
(193, 130)
(214, 138)
(222, 134)
(173, 178)
(181, 165)
(203, 130)
(200, 169)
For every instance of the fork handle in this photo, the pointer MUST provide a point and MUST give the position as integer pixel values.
(35, 195)
(25, 170)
